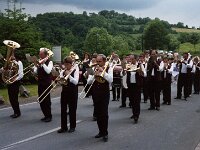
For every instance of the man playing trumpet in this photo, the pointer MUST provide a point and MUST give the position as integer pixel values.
(43, 68)
(101, 94)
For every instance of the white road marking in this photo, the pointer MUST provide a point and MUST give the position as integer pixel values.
(53, 99)
(32, 138)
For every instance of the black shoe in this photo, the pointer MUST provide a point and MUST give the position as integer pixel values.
(94, 119)
(168, 103)
(157, 108)
(132, 117)
(62, 130)
(151, 108)
(98, 136)
(71, 130)
(43, 119)
(105, 138)
(114, 100)
(185, 99)
(48, 119)
(136, 120)
(122, 106)
(177, 98)
(117, 99)
(15, 115)
(164, 103)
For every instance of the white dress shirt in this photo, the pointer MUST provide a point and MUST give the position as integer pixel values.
(20, 71)
(107, 76)
(185, 65)
(47, 69)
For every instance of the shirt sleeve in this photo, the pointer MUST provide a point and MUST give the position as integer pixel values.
(90, 79)
(161, 66)
(190, 64)
(20, 71)
(109, 76)
(75, 79)
(48, 68)
(171, 69)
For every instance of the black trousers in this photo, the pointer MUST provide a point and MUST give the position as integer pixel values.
(145, 89)
(154, 92)
(124, 96)
(13, 91)
(190, 82)
(114, 90)
(182, 83)
(134, 93)
(46, 104)
(101, 107)
(197, 82)
(69, 97)
(166, 92)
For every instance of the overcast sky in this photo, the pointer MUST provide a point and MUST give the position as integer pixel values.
(186, 11)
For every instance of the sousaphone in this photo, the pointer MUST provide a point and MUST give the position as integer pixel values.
(10, 70)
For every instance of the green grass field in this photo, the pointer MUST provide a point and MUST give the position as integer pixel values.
(188, 47)
(31, 88)
(186, 30)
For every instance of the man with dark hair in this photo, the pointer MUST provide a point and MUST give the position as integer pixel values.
(154, 69)
(185, 67)
(134, 82)
(43, 69)
(69, 95)
(101, 94)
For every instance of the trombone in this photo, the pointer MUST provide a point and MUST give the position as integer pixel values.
(98, 78)
(55, 83)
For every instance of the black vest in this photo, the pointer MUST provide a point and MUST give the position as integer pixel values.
(166, 79)
(43, 77)
(101, 88)
(138, 78)
(69, 84)
(157, 74)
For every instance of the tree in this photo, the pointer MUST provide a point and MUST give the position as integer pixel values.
(155, 35)
(194, 39)
(98, 40)
(173, 43)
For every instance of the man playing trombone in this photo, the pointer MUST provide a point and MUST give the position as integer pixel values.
(43, 68)
(69, 94)
(100, 82)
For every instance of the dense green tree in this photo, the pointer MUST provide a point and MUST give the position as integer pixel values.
(98, 40)
(155, 35)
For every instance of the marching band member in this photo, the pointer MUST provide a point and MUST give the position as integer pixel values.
(183, 81)
(126, 61)
(13, 89)
(101, 95)
(116, 87)
(196, 75)
(134, 82)
(166, 81)
(154, 68)
(145, 83)
(69, 96)
(43, 69)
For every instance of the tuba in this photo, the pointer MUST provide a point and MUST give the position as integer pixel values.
(11, 67)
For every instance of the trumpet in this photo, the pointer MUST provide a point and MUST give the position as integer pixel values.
(58, 80)
(98, 78)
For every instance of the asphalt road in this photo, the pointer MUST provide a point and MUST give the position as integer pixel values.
(175, 127)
